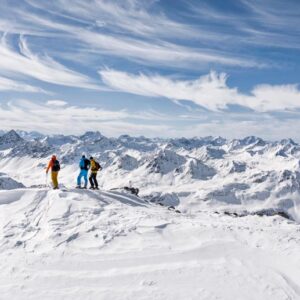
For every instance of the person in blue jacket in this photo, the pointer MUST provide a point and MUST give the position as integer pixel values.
(84, 166)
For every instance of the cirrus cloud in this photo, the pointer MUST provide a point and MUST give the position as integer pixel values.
(26, 63)
(7, 84)
(71, 119)
(210, 91)
(58, 116)
(56, 103)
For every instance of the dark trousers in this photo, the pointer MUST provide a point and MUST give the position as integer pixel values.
(93, 180)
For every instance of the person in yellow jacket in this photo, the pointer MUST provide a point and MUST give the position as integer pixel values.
(95, 167)
(55, 167)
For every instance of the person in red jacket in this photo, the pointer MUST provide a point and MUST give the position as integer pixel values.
(55, 167)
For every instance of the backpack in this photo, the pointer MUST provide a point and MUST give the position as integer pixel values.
(97, 166)
(87, 164)
(56, 166)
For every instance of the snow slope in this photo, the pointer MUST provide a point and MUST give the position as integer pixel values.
(110, 245)
(237, 236)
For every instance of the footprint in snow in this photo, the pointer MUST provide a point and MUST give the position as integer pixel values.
(147, 282)
(161, 226)
(72, 237)
(69, 239)
(18, 243)
(63, 195)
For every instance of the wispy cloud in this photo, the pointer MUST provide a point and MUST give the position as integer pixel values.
(275, 14)
(210, 91)
(60, 103)
(271, 23)
(164, 53)
(7, 84)
(44, 68)
(130, 32)
(135, 17)
(57, 116)
(28, 115)
(231, 129)
(141, 31)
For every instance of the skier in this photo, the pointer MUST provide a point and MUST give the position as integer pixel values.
(84, 165)
(55, 168)
(95, 167)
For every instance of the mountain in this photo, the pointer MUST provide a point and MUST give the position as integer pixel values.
(91, 136)
(10, 140)
(199, 170)
(126, 162)
(165, 161)
(7, 183)
(213, 219)
(242, 170)
(30, 136)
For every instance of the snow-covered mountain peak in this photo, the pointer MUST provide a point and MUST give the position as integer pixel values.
(30, 135)
(288, 142)
(10, 138)
(140, 143)
(199, 170)
(126, 162)
(166, 161)
(91, 136)
(58, 140)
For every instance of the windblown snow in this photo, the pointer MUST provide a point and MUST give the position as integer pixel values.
(214, 219)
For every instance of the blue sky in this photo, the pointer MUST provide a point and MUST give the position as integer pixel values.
(148, 67)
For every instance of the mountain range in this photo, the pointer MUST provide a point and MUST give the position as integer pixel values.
(248, 173)
(213, 219)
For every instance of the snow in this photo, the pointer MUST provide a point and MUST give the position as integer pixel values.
(7, 183)
(108, 245)
(10, 139)
(233, 232)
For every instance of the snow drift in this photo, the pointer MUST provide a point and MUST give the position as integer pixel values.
(74, 244)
